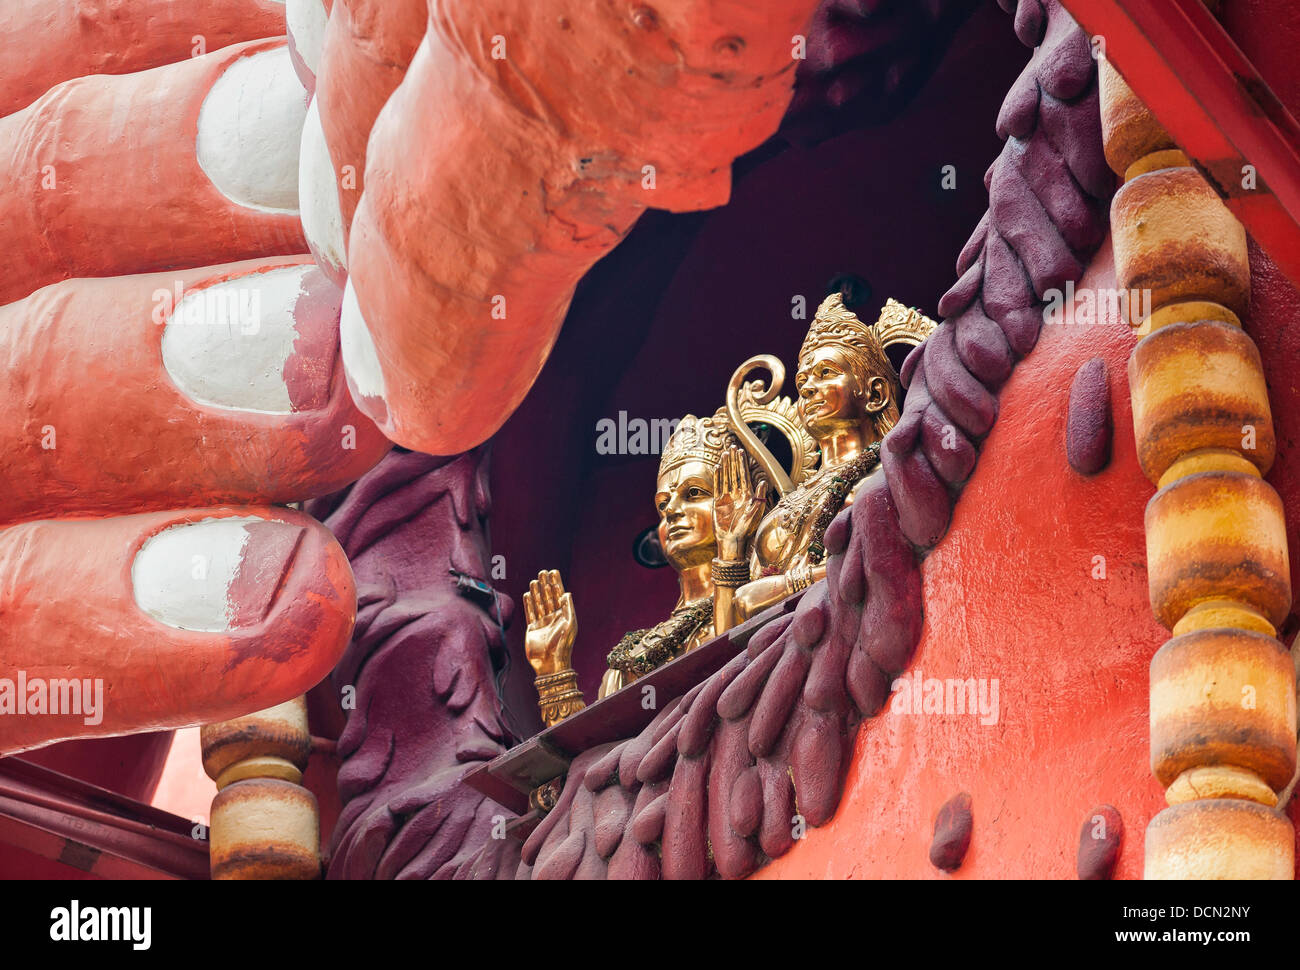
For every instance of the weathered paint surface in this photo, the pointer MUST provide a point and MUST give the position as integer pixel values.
(43, 43)
(68, 175)
(142, 433)
(290, 604)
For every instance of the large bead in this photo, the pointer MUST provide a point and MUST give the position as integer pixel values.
(1199, 385)
(1220, 838)
(1175, 238)
(265, 828)
(1224, 697)
(270, 743)
(1217, 535)
(1129, 131)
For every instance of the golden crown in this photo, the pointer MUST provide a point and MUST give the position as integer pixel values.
(898, 324)
(835, 323)
(697, 439)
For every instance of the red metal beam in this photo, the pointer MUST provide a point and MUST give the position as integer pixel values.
(93, 829)
(1181, 62)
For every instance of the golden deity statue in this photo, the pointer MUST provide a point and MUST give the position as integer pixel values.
(732, 555)
(707, 512)
(849, 398)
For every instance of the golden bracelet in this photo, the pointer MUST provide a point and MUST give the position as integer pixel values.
(730, 574)
(797, 578)
(550, 683)
(558, 696)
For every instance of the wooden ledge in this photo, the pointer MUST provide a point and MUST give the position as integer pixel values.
(509, 778)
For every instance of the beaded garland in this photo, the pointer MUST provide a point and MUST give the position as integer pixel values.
(842, 483)
(824, 506)
(641, 651)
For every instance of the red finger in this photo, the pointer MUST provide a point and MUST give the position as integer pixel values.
(364, 52)
(305, 22)
(219, 385)
(44, 42)
(320, 181)
(164, 620)
(186, 165)
(507, 163)
(364, 56)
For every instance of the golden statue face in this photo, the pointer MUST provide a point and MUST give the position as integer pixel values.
(684, 501)
(833, 394)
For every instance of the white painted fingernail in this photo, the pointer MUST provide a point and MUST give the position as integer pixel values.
(250, 128)
(263, 342)
(306, 20)
(318, 195)
(361, 359)
(216, 574)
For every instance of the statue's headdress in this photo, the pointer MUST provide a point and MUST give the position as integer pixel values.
(834, 323)
(698, 439)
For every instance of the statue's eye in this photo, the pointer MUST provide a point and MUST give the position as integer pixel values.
(698, 492)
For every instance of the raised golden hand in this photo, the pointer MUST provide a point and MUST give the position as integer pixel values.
(737, 505)
(552, 624)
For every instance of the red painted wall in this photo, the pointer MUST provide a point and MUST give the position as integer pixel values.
(1010, 594)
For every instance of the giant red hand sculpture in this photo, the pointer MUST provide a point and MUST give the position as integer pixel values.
(172, 357)
(153, 419)
(572, 117)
